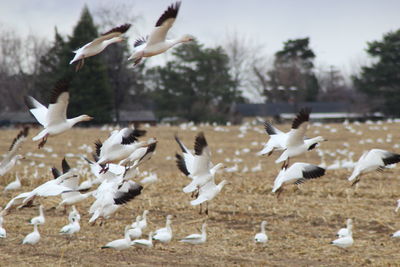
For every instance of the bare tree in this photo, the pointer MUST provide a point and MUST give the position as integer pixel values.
(245, 55)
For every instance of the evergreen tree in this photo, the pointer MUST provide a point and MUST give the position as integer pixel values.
(293, 78)
(195, 85)
(90, 89)
(381, 80)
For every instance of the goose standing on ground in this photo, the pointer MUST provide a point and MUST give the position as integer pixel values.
(99, 44)
(345, 241)
(39, 219)
(298, 172)
(144, 243)
(197, 238)
(296, 144)
(156, 43)
(373, 160)
(345, 231)
(262, 236)
(11, 157)
(141, 221)
(164, 235)
(54, 118)
(120, 244)
(14, 185)
(74, 213)
(32, 238)
(71, 228)
(135, 231)
(277, 140)
(3, 233)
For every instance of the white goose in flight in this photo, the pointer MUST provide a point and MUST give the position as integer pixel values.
(299, 172)
(277, 140)
(54, 118)
(156, 43)
(119, 145)
(197, 166)
(11, 157)
(99, 44)
(373, 160)
(296, 144)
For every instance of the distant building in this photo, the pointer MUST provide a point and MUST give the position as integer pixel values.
(323, 111)
(8, 118)
(137, 117)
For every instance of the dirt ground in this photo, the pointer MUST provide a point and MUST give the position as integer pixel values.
(301, 223)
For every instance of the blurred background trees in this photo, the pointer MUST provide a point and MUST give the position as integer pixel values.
(197, 83)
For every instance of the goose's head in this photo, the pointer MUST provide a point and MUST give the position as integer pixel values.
(85, 118)
(349, 222)
(263, 224)
(187, 38)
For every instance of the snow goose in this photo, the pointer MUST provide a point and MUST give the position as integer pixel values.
(99, 44)
(277, 140)
(11, 157)
(396, 234)
(14, 185)
(164, 235)
(110, 195)
(298, 172)
(71, 228)
(156, 43)
(141, 154)
(74, 213)
(54, 118)
(3, 233)
(373, 160)
(120, 244)
(32, 238)
(398, 206)
(144, 243)
(135, 232)
(141, 221)
(296, 144)
(345, 241)
(47, 189)
(207, 192)
(38, 219)
(119, 145)
(136, 222)
(201, 169)
(196, 239)
(262, 236)
(345, 231)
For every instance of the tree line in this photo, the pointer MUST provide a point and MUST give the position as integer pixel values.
(198, 83)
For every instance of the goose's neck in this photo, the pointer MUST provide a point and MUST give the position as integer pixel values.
(41, 211)
(35, 229)
(75, 120)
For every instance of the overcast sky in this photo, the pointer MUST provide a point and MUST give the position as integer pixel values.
(338, 29)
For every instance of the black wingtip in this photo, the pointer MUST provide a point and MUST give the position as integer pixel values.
(180, 143)
(122, 29)
(22, 134)
(65, 165)
(28, 102)
(199, 144)
(60, 87)
(269, 128)
(180, 163)
(132, 137)
(56, 173)
(171, 12)
(98, 144)
(302, 116)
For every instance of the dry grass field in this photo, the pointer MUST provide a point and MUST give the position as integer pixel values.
(301, 223)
